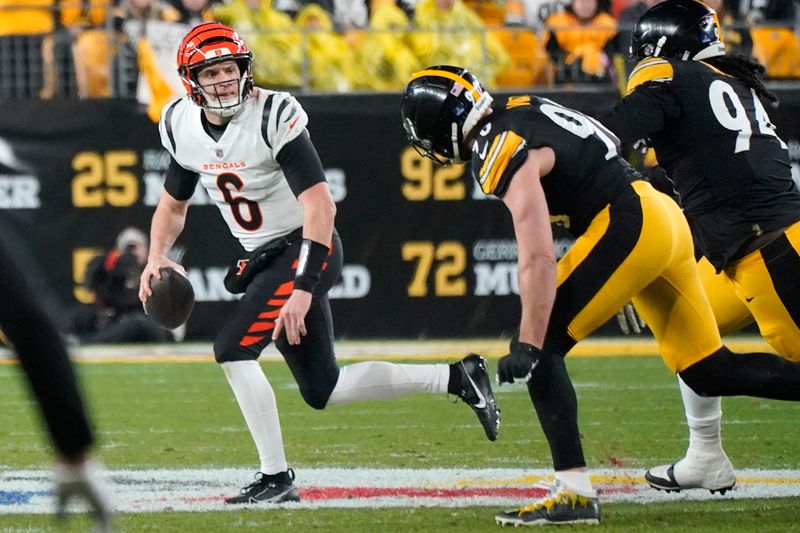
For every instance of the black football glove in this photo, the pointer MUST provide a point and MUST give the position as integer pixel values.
(517, 367)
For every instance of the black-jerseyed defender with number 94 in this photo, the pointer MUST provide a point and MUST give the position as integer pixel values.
(250, 149)
(545, 160)
(702, 112)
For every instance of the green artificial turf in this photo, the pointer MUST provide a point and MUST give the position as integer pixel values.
(183, 415)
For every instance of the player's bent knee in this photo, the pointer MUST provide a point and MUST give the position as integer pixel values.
(711, 376)
(315, 397)
(314, 368)
(698, 383)
(316, 387)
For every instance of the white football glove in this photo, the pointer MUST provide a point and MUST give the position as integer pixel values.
(629, 320)
(83, 481)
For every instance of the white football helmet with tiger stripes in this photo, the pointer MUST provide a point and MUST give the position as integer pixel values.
(206, 44)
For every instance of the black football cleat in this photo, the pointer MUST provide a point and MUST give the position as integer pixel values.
(476, 391)
(561, 507)
(276, 488)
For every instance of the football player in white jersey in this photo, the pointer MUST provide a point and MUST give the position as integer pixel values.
(250, 150)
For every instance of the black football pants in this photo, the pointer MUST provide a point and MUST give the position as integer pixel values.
(249, 330)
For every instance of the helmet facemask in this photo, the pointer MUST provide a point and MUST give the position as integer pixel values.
(424, 147)
(208, 96)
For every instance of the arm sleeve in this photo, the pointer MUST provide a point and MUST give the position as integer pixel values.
(300, 164)
(646, 110)
(180, 183)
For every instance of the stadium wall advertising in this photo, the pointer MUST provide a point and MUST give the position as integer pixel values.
(426, 253)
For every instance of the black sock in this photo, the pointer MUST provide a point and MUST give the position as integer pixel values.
(454, 385)
(556, 405)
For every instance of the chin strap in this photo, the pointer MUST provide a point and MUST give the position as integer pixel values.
(659, 45)
(482, 108)
(454, 141)
(225, 112)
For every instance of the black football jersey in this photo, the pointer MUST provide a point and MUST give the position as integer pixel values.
(714, 138)
(588, 171)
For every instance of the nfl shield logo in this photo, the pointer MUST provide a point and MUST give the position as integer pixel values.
(218, 151)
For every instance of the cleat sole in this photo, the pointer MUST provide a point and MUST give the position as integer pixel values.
(721, 491)
(539, 523)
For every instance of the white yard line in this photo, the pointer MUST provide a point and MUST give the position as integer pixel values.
(386, 349)
(202, 490)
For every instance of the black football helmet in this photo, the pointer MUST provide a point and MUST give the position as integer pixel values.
(435, 107)
(682, 29)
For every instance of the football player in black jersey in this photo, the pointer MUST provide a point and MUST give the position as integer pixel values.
(703, 113)
(546, 162)
(44, 360)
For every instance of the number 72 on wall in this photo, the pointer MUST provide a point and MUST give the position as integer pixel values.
(447, 260)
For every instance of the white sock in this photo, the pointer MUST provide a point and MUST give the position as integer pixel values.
(374, 380)
(703, 416)
(577, 481)
(257, 403)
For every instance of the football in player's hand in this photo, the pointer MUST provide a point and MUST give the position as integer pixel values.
(172, 300)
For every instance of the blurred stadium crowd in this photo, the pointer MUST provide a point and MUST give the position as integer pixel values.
(125, 48)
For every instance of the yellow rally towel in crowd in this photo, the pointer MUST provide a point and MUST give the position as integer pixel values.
(92, 53)
(160, 91)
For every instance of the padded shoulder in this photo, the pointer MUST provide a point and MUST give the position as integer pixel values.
(650, 69)
(284, 120)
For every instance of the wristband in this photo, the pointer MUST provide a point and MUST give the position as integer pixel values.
(309, 265)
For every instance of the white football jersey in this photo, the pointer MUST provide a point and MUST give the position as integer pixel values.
(239, 171)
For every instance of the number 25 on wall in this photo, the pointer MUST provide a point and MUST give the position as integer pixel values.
(104, 179)
(448, 261)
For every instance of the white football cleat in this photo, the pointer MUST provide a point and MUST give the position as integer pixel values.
(698, 470)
